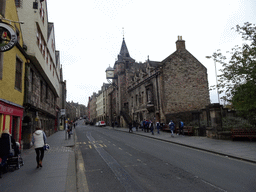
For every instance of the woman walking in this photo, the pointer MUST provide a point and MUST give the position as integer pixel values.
(39, 140)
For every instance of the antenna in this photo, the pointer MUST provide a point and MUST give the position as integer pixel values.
(123, 32)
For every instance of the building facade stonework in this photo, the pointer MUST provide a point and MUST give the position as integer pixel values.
(156, 90)
(43, 81)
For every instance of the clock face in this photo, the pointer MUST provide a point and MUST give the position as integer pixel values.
(110, 74)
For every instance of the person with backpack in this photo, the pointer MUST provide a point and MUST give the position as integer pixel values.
(172, 127)
(181, 126)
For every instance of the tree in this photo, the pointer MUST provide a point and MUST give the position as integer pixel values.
(238, 78)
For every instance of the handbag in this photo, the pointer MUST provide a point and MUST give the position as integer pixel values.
(46, 147)
(11, 151)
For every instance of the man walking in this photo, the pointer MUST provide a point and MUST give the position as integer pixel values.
(181, 126)
(172, 126)
(151, 125)
(158, 127)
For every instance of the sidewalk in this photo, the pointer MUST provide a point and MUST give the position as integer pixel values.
(58, 173)
(244, 150)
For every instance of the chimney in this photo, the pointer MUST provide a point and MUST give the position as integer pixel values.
(180, 44)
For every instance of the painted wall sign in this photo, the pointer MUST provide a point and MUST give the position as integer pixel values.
(8, 37)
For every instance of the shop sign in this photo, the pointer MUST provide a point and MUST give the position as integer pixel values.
(8, 37)
(63, 112)
(4, 109)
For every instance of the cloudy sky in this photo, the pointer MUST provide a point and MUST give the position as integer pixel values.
(89, 34)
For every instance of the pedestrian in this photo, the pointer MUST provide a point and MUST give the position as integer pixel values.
(113, 124)
(141, 125)
(134, 126)
(181, 126)
(69, 130)
(172, 127)
(6, 145)
(130, 128)
(151, 125)
(147, 126)
(137, 125)
(39, 140)
(158, 127)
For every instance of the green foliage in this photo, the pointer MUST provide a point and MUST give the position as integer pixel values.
(229, 123)
(238, 78)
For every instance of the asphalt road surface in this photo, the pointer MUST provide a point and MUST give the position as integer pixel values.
(120, 161)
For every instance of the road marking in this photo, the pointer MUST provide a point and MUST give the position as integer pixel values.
(93, 170)
(105, 145)
(100, 145)
(120, 148)
(81, 177)
(129, 154)
(213, 185)
(114, 144)
(85, 143)
(124, 178)
(90, 146)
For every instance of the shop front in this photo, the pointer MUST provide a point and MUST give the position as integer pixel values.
(11, 118)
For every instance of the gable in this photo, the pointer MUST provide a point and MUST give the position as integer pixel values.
(180, 57)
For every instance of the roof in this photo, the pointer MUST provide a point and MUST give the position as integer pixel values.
(124, 55)
(124, 51)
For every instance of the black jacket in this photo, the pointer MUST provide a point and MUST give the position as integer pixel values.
(5, 145)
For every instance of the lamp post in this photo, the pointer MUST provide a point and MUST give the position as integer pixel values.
(209, 57)
(111, 75)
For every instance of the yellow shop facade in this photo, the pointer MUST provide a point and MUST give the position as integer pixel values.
(12, 70)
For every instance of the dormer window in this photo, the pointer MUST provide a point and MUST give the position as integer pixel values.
(42, 12)
(18, 3)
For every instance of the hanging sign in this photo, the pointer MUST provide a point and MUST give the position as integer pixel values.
(8, 37)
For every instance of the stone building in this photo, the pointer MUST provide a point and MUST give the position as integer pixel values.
(157, 90)
(71, 111)
(43, 86)
(101, 104)
(92, 113)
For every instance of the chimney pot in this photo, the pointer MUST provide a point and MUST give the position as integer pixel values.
(180, 44)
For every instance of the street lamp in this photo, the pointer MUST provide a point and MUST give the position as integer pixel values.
(110, 75)
(209, 57)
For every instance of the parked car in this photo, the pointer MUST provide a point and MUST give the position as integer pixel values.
(100, 124)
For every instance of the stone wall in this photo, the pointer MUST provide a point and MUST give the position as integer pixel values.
(185, 83)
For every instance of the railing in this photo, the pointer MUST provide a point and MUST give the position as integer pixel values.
(126, 117)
